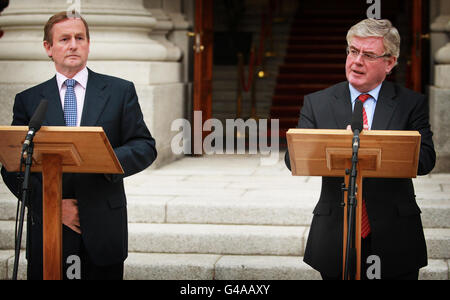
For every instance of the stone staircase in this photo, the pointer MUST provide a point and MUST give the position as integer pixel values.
(229, 218)
(224, 100)
(314, 57)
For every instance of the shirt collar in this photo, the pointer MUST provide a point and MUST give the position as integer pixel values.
(81, 78)
(354, 93)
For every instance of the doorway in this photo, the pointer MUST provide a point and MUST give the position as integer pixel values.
(254, 53)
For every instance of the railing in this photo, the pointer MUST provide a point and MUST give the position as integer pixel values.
(256, 64)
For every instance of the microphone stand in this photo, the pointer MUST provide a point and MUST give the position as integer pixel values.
(25, 197)
(350, 255)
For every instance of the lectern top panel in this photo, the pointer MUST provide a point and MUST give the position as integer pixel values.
(386, 154)
(83, 149)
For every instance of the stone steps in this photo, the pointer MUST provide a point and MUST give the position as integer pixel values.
(229, 217)
(251, 211)
(157, 266)
(228, 239)
(255, 209)
(225, 77)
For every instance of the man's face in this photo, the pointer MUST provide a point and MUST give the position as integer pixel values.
(366, 74)
(70, 47)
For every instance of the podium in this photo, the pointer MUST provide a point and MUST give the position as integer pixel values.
(328, 153)
(58, 150)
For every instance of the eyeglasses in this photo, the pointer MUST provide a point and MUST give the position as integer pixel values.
(366, 56)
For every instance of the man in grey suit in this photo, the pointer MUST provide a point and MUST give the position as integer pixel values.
(395, 232)
(94, 210)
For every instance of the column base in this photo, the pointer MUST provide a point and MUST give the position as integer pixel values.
(440, 122)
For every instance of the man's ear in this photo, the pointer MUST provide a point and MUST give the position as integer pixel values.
(48, 49)
(391, 62)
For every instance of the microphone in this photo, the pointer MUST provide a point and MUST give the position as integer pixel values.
(35, 123)
(357, 124)
(357, 118)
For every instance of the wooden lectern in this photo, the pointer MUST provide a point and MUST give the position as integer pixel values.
(382, 154)
(58, 150)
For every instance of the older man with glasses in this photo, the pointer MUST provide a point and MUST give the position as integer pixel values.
(391, 223)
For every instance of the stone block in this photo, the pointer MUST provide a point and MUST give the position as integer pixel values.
(440, 122)
(8, 208)
(7, 235)
(140, 72)
(5, 255)
(161, 105)
(264, 268)
(438, 243)
(222, 210)
(442, 72)
(8, 93)
(22, 270)
(216, 239)
(436, 270)
(139, 266)
(147, 209)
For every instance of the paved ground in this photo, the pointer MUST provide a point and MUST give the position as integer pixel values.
(235, 177)
(230, 217)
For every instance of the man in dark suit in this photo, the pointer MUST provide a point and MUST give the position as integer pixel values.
(94, 211)
(395, 232)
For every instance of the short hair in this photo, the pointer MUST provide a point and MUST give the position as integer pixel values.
(57, 18)
(378, 28)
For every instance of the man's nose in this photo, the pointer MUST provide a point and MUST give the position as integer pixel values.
(73, 43)
(359, 59)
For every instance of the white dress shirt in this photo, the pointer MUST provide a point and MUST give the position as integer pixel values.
(80, 90)
(369, 104)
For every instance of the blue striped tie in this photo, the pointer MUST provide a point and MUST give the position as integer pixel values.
(70, 104)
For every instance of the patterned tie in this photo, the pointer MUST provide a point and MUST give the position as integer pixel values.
(70, 104)
(365, 226)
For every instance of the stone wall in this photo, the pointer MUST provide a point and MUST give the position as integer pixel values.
(142, 41)
(440, 90)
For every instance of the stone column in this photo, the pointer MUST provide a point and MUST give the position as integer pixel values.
(178, 12)
(440, 93)
(127, 41)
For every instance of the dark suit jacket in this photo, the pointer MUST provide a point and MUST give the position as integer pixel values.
(397, 233)
(111, 103)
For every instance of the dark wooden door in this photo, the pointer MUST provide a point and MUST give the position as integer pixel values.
(203, 65)
(420, 45)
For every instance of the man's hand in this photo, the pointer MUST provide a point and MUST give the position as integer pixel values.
(70, 216)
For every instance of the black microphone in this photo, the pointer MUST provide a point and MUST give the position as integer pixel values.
(357, 123)
(35, 123)
(357, 118)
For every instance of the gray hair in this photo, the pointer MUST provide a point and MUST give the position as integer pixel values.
(378, 28)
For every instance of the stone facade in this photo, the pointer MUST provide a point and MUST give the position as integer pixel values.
(141, 41)
(440, 88)
(145, 41)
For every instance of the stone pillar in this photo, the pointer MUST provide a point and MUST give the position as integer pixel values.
(440, 92)
(180, 13)
(127, 41)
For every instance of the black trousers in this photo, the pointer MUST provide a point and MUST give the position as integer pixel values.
(76, 261)
(365, 253)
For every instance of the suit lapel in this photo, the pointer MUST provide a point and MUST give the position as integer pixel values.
(55, 114)
(342, 106)
(385, 107)
(94, 101)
